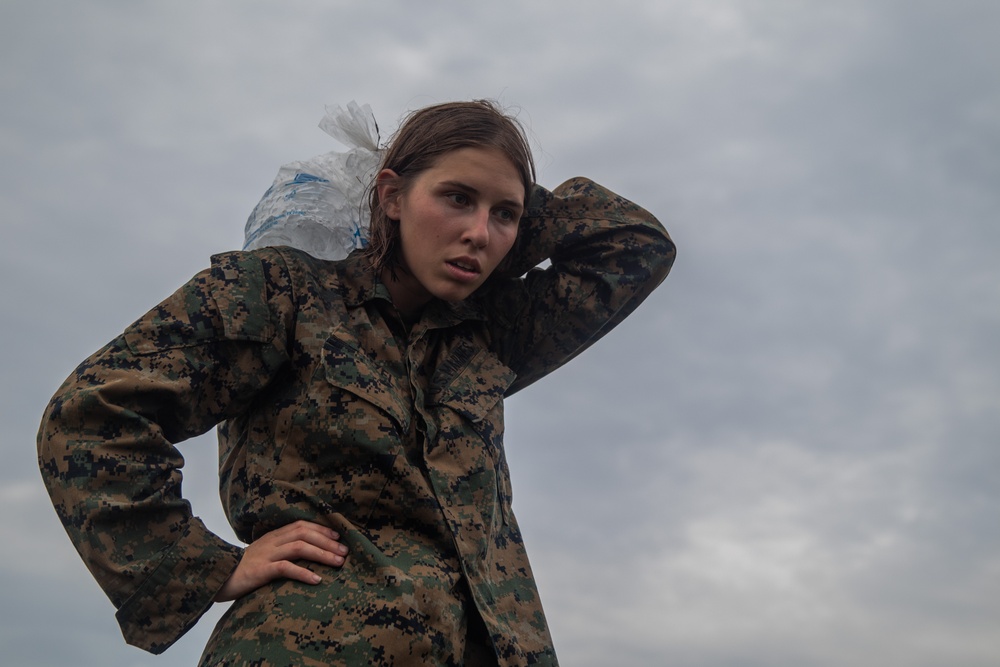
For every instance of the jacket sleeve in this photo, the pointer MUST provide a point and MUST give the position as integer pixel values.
(607, 255)
(106, 442)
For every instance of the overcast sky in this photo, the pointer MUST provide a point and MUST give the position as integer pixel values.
(788, 456)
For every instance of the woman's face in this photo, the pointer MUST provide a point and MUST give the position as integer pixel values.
(457, 221)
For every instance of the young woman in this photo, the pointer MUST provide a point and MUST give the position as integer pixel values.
(360, 413)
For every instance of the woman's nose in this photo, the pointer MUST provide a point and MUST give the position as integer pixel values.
(478, 230)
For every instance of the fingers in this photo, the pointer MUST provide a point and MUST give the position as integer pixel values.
(270, 557)
(306, 540)
(309, 546)
(284, 569)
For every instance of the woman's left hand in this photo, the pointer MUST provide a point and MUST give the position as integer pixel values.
(270, 557)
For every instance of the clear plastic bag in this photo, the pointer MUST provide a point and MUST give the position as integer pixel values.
(319, 205)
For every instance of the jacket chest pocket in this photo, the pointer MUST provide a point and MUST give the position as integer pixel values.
(348, 369)
(467, 395)
(346, 431)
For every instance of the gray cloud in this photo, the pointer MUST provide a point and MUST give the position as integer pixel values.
(784, 458)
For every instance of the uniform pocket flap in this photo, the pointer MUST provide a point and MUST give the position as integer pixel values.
(479, 380)
(351, 369)
(226, 302)
(241, 297)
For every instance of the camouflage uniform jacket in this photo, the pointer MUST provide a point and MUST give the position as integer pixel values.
(331, 411)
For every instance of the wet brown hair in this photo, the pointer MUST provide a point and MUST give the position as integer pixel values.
(425, 136)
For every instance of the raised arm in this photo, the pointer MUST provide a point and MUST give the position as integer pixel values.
(607, 255)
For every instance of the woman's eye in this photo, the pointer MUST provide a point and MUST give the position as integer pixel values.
(459, 198)
(506, 215)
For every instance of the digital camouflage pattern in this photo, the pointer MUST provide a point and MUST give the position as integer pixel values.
(331, 410)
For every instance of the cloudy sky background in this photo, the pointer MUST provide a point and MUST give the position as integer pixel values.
(788, 456)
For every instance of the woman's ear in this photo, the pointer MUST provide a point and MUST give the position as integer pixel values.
(387, 184)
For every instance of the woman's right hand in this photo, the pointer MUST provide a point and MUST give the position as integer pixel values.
(270, 557)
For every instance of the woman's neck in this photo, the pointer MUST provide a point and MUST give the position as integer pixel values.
(408, 296)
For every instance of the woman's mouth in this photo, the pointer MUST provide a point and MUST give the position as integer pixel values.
(464, 269)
